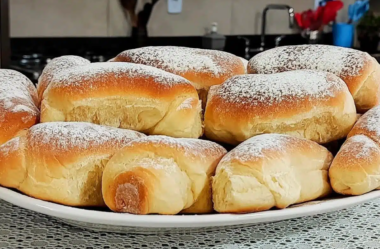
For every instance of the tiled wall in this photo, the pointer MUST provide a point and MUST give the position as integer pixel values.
(232, 16)
(54, 18)
(80, 18)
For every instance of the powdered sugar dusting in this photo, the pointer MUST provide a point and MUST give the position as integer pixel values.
(61, 63)
(15, 95)
(78, 135)
(105, 71)
(186, 104)
(343, 62)
(273, 88)
(10, 146)
(168, 165)
(21, 108)
(25, 119)
(362, 146)
(181, 59)
(370, 121)
(192, 147)
(258, 146)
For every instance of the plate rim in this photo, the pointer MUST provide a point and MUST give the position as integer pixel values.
(179, 221)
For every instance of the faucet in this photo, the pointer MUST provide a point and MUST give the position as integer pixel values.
(278, 40)
(264, 22)
(246, 48)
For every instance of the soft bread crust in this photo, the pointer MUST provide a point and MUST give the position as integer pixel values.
(271, 170)
(61, 162)
(368, 125)
(125, 95)
(202, 67)
(356, 168)
(368, 94)
(306, 104)
(18, 104)
(357, 69)
(162, 175)
(56, 66)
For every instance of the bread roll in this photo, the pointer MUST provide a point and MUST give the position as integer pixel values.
(271, 170)
(55, 66)
(124, 95)
(18, 104)
(163, 175)
(356, 168)
(369, 125)
(306, 104)
(359, 70)
(61, 162)
(202, 67)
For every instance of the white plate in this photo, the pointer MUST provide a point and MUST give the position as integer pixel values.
(127, 223)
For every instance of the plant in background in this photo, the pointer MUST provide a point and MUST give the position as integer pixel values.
(368, 32)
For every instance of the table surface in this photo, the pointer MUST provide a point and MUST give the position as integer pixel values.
(357, 227)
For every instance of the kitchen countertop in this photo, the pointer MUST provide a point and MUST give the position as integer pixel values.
(357, 227)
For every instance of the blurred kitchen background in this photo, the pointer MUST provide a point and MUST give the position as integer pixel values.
(34, 31)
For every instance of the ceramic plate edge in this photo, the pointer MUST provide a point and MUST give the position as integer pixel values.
(180, 221)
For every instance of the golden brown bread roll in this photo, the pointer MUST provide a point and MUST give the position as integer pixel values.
(202, 67)
(306, 104)
(56, 66)
(61, 162)
(359, 70)
(124, 95)
(18, 104)
(160, 174)
(369, 125)
(356, 168)
(271, 170)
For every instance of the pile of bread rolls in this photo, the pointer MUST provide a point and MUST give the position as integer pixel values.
(169, 130)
